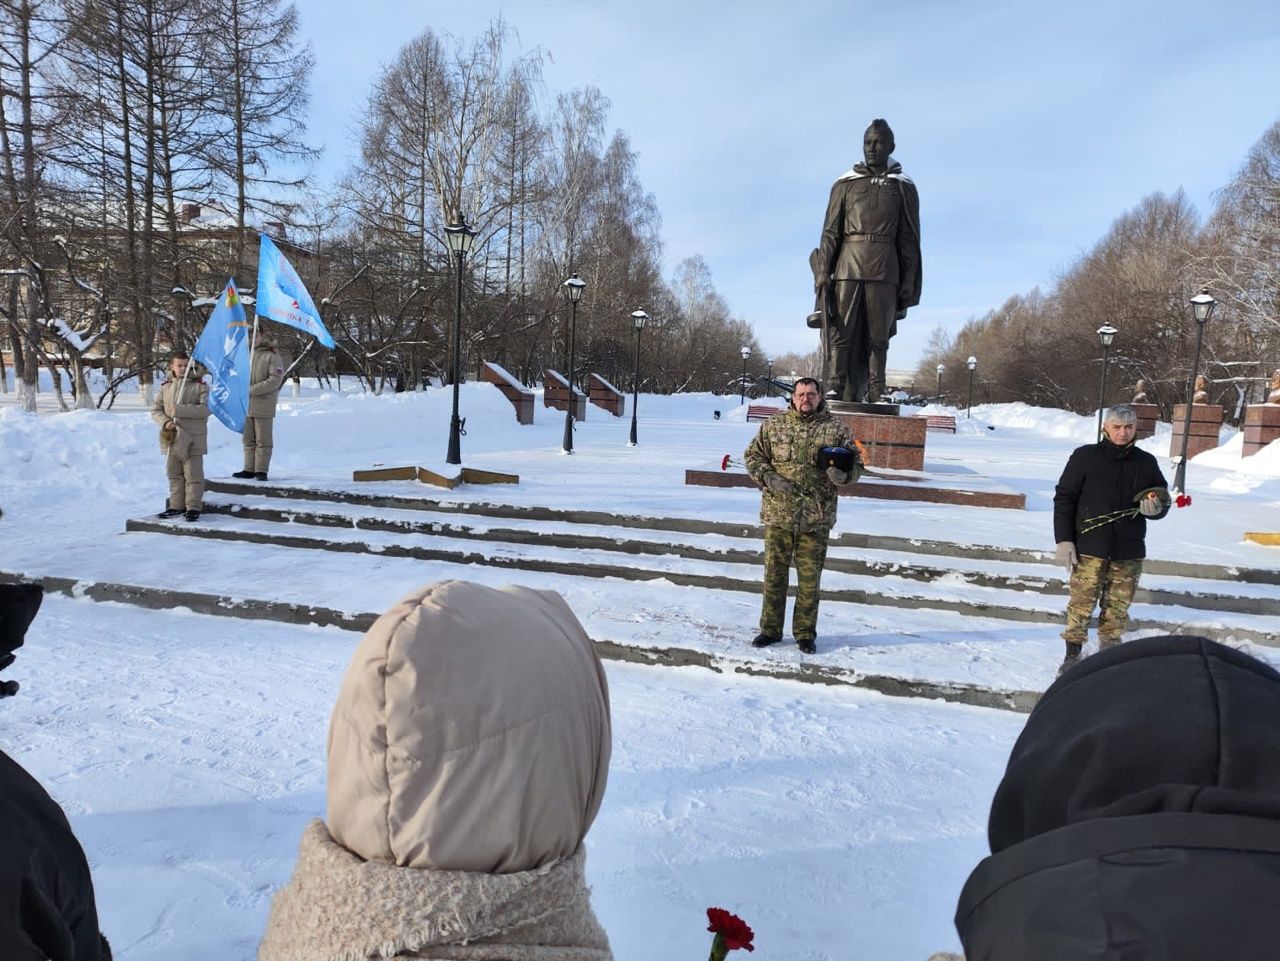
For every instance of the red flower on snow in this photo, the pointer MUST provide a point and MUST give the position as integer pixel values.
(724, 464)
(1184, 500)
(731, 933)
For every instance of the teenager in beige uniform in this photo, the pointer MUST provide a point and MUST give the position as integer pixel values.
(265, 378)
(184, 420)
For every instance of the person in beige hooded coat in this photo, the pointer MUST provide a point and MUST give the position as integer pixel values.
(266, 374)
(468, 755)
(184, 433)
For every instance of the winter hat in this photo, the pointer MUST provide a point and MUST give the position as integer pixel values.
(1172, 723)
(471, 733)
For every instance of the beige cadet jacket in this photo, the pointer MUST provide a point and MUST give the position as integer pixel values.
(264, 382)
(191, 415)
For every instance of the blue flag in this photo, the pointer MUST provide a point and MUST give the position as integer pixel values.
(281, 295)
(223, 348)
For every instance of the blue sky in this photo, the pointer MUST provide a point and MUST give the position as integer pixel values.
(1028, 127)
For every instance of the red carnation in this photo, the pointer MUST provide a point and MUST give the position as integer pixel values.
(1184, 500)
(724, 464)
(731, 933)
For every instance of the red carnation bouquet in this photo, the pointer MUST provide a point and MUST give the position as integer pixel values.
(731, 933)
(1183, 500)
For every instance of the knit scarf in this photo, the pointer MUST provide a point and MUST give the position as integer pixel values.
(338, 907)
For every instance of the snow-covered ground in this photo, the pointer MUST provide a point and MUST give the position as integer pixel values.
(188, 750)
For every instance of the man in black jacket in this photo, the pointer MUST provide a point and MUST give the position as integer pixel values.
(1106, 493)
(47, 908)
(1139, 815)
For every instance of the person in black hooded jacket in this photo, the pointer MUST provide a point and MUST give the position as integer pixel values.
(1103, 500)
(1139, 815)
(47, 907)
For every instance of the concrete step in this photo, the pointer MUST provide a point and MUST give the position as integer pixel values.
(690, 525)
(568, 539)
(1008, 608)
(221, 605)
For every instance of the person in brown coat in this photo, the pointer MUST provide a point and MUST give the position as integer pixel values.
(182, 411)
(265, 377)
(468, 755)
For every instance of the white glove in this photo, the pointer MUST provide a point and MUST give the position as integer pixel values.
(1065, 555)
(1150, 506)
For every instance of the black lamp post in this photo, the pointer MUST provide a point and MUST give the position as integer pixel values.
(1106, 334)
(941, 368)
(573, 287)
(1202, 305)
(972, 364)
(638, 319)
(769, 376)
(746, 352)
(459, 236)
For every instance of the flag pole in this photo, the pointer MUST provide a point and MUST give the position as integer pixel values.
(253, 343)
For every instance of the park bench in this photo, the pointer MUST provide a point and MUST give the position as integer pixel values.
(939, 422)
(762, 411)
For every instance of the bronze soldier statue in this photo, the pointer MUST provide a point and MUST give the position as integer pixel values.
(866, 269)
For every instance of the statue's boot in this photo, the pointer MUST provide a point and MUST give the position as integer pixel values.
(876, 373)
(835, 390)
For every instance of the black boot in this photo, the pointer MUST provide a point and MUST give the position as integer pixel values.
(807, 645)
(243, 474)
(192, 515)
(1072, 658)
(169, 512)
(260, 475)
(764, 640)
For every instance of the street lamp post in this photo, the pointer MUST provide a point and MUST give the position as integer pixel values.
(746, 352)
(972, 364)
(941, 368)
(1106, 334)
(459, 235)
(1202, 305)
(638, 319)
(769, 376)
(573, 287)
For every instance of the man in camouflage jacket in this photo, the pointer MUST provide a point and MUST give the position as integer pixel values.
(797, 508)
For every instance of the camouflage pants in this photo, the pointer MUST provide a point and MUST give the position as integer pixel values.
(1110, 586)
(807, 550)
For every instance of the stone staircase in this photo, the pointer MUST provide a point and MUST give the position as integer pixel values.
(956, 589)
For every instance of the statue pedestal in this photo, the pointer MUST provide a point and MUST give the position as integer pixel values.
(1148, 416)
(853, 407)
(1206, 422)
(1261, 427)
(890, 441)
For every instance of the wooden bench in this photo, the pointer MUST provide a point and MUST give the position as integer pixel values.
(603, 394)
(762, 411)
(938, 422)
(555, 393)
(520, 396)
